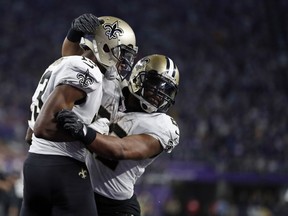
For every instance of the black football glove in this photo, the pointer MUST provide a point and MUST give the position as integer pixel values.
(71, 123)
(82, 25)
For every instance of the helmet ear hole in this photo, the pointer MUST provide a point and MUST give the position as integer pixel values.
(106, 48)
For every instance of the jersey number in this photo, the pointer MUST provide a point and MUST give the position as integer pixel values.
(39, 92)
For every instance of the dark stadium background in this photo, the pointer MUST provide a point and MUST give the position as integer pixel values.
(231, 107)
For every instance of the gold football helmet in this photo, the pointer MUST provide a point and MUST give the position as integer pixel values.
(154, 81)
(114, 43)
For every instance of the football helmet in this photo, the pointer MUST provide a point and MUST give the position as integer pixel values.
(154, 81)
(113, 44)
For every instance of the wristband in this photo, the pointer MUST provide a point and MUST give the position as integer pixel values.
(89, 137)
(74, 35)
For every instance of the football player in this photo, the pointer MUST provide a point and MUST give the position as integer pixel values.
(136, 138)
(56, 179)
(115, 77)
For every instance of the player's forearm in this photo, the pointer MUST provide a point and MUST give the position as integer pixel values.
(70, 48)
(28, 136)
(133, 147)
(49, 131)
(46, 126)
(108, 147)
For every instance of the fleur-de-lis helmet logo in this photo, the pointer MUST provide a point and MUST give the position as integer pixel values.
(85, 79)
(113, 30)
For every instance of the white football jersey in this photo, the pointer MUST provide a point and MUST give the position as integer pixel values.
(116, 179)
(81, 73)
(113, 99)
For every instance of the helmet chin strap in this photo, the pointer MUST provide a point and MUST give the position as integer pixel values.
(147, 107)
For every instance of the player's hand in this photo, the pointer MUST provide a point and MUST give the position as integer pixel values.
(72, 124)
(82, 25)
(69, 121)
(86, 23)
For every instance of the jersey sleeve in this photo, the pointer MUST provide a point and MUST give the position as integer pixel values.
(79, 72)
(170, 136)
(165, 129)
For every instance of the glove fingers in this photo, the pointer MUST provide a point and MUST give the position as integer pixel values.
(62, 112)
(61, 118)
(86, 23)
(74, 130)
(68, 120)
(66, 114)
(68, 126)
(69, 117)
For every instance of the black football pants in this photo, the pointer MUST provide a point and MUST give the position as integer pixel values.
(56, 186)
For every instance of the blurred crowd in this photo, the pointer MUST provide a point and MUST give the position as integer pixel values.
(233, 61)
(233, 104)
